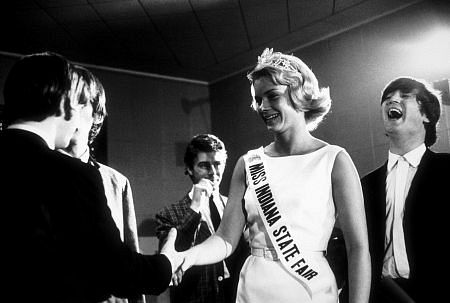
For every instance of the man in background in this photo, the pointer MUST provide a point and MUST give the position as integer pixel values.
(196, 217)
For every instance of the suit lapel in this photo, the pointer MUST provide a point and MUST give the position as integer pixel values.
(380, 199)
(374, 186)
(412, 206)
(419, 177)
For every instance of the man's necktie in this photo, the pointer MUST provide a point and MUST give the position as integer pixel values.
(215, 217)
(401, 259)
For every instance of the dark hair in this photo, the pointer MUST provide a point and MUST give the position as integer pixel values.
(35, 86)
(202, 143)
(94, 93)
(427, 97)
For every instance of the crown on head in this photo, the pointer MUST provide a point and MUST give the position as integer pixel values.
(269, 58)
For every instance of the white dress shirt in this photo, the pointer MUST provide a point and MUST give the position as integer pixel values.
(398, 182)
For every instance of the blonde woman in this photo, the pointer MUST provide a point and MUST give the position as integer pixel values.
(293, 190)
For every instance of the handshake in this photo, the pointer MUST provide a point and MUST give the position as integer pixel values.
(180, 261)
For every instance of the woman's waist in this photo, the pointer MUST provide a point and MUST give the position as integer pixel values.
(270, 253)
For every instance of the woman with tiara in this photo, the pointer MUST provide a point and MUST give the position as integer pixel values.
(294, 189)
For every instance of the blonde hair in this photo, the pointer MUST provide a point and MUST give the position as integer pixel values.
(303, 86)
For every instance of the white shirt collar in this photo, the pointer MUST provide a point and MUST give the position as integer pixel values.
(84, 157)
(413, 157)
(34, 130)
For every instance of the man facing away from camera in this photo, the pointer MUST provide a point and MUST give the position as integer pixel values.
(62, 243)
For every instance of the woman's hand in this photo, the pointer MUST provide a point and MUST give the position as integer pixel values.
(189, 260)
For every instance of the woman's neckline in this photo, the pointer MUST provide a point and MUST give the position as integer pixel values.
(294, 155)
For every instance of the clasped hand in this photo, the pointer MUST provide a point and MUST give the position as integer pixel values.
(180, 261)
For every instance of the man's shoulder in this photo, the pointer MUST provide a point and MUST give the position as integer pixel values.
(176, 211)
(441, 157)
(77, 174)
(375, 173)
(435, 163)
(181, 205)
(67, 162)
(111, 172)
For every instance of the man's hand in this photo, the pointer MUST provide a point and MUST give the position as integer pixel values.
(200, 196)
(168, 249)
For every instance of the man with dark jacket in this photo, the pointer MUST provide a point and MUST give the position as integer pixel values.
(406, 199)
(60, 241)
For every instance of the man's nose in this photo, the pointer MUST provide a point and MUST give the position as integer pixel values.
(213, 170)
(395, 97)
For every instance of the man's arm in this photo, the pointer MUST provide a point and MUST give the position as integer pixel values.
(129, 218)
(185, 220)
(101, 250)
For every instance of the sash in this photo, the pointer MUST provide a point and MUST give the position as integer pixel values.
(293, 259)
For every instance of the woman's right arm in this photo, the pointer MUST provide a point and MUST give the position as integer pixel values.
(220, 245)
(349, 201)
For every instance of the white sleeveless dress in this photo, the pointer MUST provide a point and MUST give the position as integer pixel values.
(302, 185)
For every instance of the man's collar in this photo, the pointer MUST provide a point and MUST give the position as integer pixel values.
(191, 192)
(413, 157)
(85, 156)
(34, 130)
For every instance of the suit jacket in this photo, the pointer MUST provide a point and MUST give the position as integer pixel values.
(425, 223)
(200, 284)
(62, 243)
(120, 202)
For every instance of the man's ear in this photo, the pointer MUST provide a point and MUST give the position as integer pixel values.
(188, 171)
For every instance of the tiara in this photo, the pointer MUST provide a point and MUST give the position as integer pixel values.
(269, 58)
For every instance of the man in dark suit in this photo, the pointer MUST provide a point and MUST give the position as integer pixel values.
(60, 241)
(196, 217)
(406, 199)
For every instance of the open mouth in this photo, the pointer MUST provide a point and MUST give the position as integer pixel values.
(268, 118)
(394, 113)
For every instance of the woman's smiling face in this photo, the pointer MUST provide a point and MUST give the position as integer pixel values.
(273, 104)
